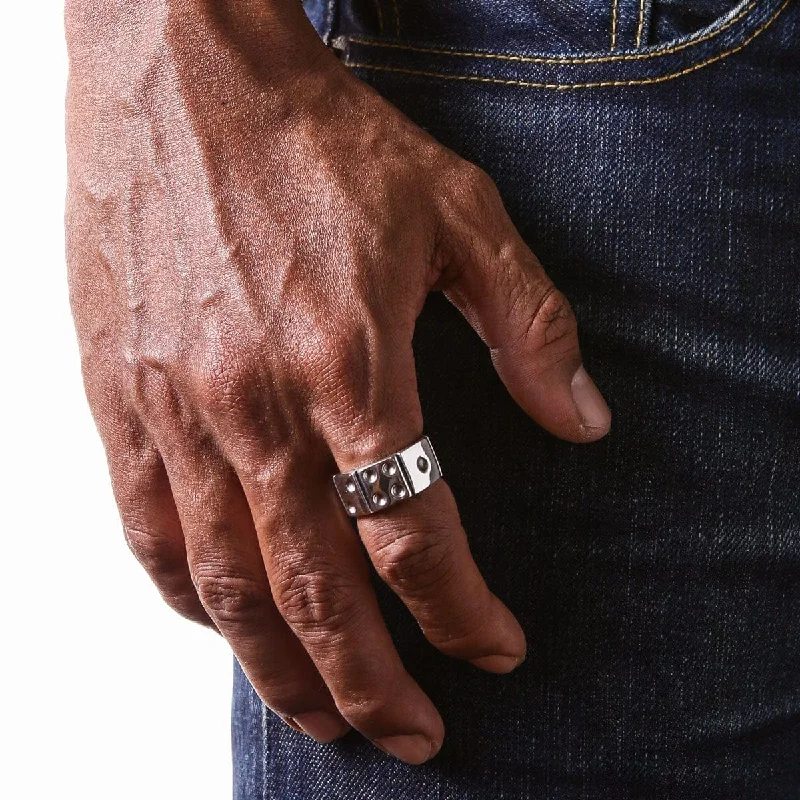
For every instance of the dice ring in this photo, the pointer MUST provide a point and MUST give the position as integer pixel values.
(390, 480)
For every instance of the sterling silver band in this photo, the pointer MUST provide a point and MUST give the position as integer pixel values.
(388, 481)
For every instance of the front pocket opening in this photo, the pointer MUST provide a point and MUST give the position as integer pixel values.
(647, 65)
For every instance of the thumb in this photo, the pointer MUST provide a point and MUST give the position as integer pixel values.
(503, 291)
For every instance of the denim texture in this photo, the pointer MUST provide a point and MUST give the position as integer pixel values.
(656, 572)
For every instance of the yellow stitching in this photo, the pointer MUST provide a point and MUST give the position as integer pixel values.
(380, 15)
(560, 59)
(597, 84)
(614, 24)
(641, 23)
(396, 19)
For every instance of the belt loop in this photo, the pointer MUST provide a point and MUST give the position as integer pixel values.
(630, 24)
(331, 19)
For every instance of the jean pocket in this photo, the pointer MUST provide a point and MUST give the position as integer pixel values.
(624, 63)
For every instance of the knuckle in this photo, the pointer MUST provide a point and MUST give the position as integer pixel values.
(366, 708)
(315, 602)
(165, 562)
(462, 634)
(342, 362)
(477, 194)
(230, 599)
(349, 384)
(415, 562)
(472, 180)
(550, 324)
(156, 552)
(219, 382)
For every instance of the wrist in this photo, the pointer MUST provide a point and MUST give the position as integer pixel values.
(271, 40)
(273, 37)
(214, 66)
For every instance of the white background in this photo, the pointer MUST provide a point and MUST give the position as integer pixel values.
(104, 692)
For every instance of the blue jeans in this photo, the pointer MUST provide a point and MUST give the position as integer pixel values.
(649, 152)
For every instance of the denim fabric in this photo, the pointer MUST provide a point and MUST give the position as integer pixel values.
(656, 572)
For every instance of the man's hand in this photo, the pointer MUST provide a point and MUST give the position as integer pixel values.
(252, 233)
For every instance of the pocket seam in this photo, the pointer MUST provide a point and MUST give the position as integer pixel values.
(562, 86)
(565, 59)
(640, 24)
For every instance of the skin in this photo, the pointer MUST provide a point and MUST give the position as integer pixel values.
(251, 235)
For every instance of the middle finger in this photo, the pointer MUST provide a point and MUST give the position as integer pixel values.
(321, 585)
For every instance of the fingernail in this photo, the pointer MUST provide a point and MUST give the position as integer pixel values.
(321, 725)
(500, 664)
(413, 749)
(589, 401)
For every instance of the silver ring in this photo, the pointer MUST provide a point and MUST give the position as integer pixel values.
(389, 480)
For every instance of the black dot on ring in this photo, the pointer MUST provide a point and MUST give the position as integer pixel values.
(422, 464)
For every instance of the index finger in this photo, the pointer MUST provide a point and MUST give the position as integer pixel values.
(418, 545)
